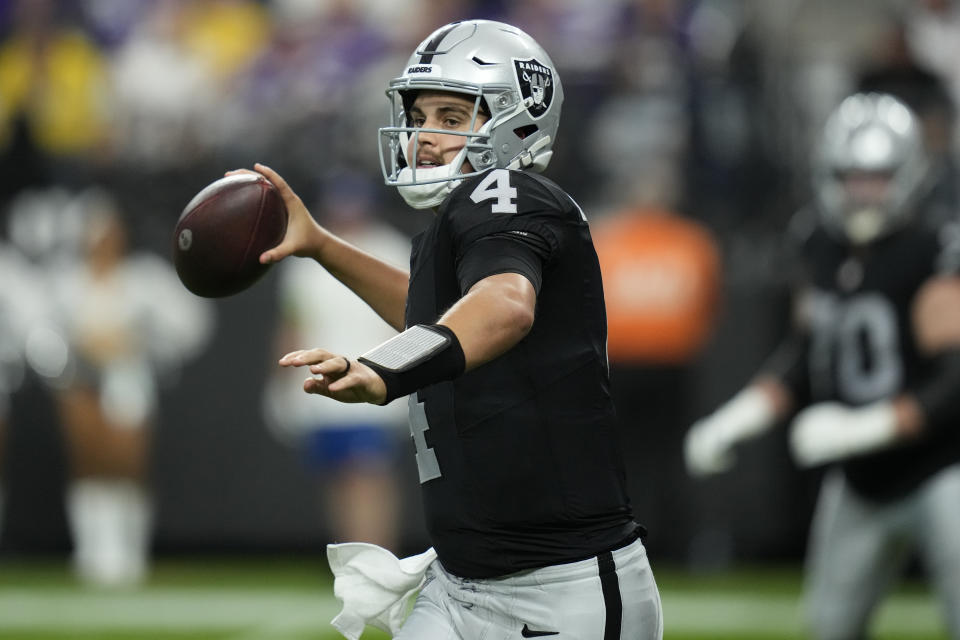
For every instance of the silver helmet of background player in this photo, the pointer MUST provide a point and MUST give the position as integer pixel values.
(870, 167)
(513, 82)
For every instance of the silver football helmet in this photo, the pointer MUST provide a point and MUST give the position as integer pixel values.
(870, 167)
(513, 82)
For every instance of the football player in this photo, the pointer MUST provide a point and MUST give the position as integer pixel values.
(874, 368)
(501, 350)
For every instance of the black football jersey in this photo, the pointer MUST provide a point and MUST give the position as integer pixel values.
(861, 346)
(518, 458)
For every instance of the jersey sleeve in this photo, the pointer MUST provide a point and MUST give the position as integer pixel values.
(947, 259)
(789, 364)
(505, 222)
(798, 247)
(504, 252)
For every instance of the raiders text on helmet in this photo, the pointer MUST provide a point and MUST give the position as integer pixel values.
(511, 79)
(870, 167)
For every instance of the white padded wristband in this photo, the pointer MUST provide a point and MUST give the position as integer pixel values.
(420, 356)
(408, 349)
(747, 414)
(831, 431)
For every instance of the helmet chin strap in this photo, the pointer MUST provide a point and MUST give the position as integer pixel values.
(532, 157)
(431, 194)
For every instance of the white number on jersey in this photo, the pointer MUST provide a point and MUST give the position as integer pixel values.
(427, 463)
(496, 186)
(863, 334)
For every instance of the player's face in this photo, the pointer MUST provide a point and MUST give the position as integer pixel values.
(866, 188)
(440, 110)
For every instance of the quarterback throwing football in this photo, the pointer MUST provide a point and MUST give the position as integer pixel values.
(502, 355)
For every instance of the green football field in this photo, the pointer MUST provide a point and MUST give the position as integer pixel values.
(293, 599)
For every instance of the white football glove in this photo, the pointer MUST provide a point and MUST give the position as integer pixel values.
(831, 431)
(708, 446)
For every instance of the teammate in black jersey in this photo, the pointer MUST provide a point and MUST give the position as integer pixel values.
(875, 369)
(502, 353)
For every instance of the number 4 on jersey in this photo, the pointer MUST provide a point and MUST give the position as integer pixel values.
(496, 186)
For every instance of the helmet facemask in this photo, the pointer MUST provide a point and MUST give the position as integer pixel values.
(427, 187)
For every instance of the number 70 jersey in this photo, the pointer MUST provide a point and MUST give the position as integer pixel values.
(857, 306)
(861, 345)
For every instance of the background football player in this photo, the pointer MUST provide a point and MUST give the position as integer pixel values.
(502, 350)
(874, 369)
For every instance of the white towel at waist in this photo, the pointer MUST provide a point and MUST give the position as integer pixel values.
(375, 587)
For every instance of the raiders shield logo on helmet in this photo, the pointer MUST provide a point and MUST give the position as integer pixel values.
(535, 81)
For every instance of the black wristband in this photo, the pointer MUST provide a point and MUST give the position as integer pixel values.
(420, 356)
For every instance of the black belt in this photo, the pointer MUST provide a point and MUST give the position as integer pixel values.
(637, 531)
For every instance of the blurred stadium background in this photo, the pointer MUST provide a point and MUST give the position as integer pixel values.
(703, 107)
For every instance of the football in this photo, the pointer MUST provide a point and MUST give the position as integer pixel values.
(223, 230)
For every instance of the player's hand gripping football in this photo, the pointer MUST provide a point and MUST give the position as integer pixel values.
(337, 376)
(304, 235)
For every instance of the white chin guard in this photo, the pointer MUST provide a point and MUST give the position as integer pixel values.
(427, 188)
(426, 196)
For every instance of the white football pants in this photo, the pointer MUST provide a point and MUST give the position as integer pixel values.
(858, 548)
(610, 597)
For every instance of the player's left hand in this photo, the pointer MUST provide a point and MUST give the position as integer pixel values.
(337, 376)
(831, 431)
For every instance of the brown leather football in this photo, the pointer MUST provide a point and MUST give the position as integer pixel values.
(223, 230)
